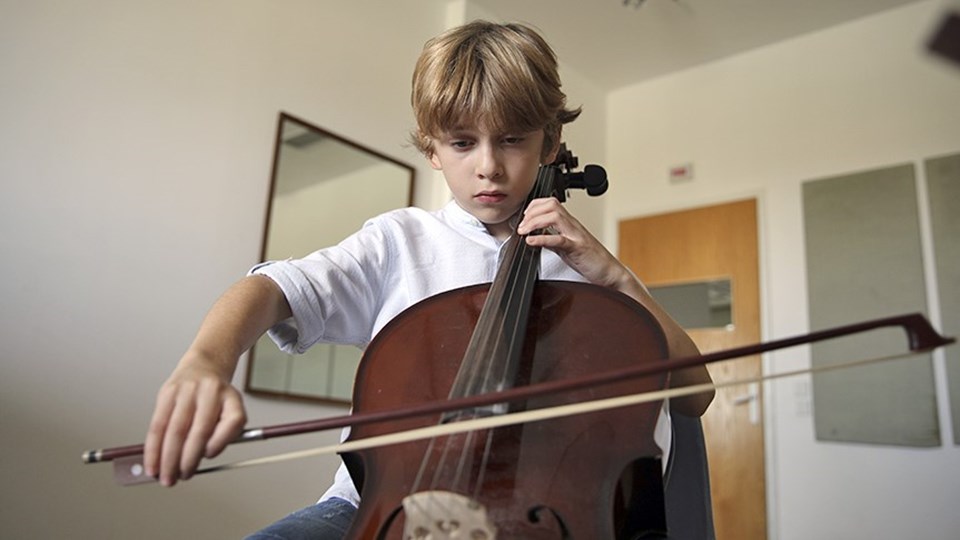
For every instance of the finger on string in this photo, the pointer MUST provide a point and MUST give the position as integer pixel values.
(550, 241)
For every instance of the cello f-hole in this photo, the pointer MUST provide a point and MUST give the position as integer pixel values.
(534, 516)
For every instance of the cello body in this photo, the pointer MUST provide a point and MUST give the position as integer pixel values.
(594, 475)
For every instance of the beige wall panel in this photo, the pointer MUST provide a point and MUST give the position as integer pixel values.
(864, 262)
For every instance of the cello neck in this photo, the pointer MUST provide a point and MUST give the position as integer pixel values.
(493, 355)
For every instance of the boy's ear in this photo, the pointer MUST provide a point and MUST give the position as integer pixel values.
(434, 162)
(551, 156)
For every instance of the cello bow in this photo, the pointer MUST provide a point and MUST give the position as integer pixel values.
(921, 337)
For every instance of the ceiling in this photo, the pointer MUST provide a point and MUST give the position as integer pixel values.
(621, 42)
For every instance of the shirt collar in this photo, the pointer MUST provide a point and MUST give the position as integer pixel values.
(458, 214)
(455, 213)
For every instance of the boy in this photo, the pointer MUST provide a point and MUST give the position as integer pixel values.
(489, 112)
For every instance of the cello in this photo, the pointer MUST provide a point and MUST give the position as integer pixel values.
(588, 476)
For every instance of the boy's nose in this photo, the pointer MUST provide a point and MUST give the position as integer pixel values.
(488, 164)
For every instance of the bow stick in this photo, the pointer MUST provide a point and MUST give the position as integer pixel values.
(921, 337)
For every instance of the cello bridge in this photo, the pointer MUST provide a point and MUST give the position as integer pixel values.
(444, 515)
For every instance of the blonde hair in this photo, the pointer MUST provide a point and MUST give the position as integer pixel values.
(502, 77)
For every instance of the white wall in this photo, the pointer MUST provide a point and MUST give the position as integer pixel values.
(135, 148)
(135, 152)
(854, 97)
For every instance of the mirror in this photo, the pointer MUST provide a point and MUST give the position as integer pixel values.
(323, 188)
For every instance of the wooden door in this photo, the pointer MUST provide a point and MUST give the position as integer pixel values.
(702, 244)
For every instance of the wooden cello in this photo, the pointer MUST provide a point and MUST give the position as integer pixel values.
(590, 476)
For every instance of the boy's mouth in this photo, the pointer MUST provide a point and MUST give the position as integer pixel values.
(490, 197)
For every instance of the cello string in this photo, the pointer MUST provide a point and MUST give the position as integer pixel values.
(461, 463)
(441, 466)
(494, 349)
(521, 279)
(540, 414)
(487, 451)
(523, 275)
(423, 466)
(475, 372)
(498, 334)
(481, 362)
(524, 267)
(432, 503)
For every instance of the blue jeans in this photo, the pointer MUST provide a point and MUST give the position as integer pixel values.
(327, 520)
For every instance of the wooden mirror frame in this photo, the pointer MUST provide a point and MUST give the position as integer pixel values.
(265, 379)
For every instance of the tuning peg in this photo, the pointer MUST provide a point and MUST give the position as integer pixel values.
(593, 179)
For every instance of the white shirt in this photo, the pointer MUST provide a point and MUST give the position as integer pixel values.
(346, 293)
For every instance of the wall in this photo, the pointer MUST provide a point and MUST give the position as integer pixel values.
(135, 154)
(849, 98)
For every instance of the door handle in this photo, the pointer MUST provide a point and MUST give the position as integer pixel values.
(752, 399)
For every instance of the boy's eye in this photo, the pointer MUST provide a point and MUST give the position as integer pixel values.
(460, 144)
(512, 140)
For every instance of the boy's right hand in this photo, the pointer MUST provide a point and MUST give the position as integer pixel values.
(198, 412)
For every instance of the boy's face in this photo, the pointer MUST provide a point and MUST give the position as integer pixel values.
(490, 174)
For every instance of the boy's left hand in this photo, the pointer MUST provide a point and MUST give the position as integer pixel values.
(572, 242)
(584, 253)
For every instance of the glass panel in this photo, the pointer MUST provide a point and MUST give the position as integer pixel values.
(700, 304)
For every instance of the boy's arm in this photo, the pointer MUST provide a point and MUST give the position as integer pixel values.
(198, 412)
(679, 345)
(585, 254)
